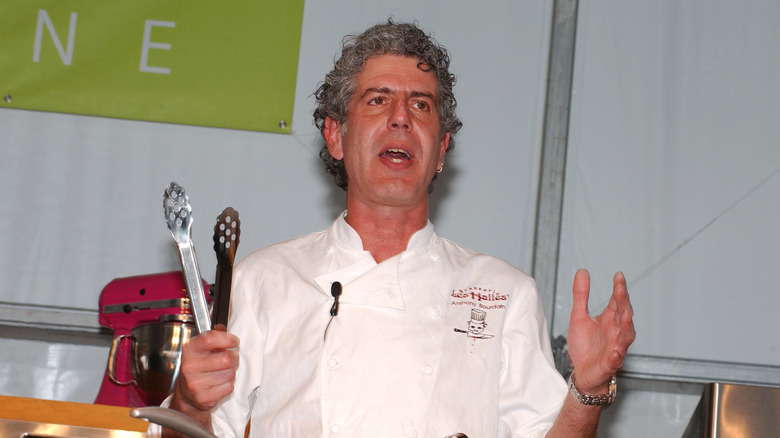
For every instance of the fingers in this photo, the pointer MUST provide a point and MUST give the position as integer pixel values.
(205, 391)
(624, 312)
(209, 361)
(210, 351)
(623, 318)
(208, 368)
(580, 293)
(620, 290)
(217, 339)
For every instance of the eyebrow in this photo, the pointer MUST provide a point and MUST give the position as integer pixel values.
(387, 90)
(381, 90)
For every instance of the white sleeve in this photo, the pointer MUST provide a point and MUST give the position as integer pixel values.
(532, 390)
(154, 431)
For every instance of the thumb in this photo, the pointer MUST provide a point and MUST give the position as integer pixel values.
(580, 293)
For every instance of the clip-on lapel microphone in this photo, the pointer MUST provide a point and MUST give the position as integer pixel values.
(335, 290)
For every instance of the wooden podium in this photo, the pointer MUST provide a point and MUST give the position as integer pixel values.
(109, 418)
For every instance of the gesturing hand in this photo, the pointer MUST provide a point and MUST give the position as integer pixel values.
(598, 345)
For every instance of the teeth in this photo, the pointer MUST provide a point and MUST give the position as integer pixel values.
(399, 151)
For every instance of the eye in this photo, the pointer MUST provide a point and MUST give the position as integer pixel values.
(377, 100)
(422, 105)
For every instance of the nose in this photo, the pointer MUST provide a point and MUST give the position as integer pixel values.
(399, 116)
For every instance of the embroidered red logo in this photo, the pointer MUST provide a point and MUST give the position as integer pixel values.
(477, 324)
(478, 294)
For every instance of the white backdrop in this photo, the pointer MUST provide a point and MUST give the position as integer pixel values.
(674, 173)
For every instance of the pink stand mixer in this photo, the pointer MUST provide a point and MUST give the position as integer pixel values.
(151, 319)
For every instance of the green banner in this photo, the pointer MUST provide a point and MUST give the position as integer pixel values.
(229, 64)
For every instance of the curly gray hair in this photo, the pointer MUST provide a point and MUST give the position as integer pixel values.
(405, 39)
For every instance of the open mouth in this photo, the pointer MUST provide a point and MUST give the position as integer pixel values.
(396, 155)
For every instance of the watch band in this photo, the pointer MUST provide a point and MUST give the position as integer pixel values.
(594, 400)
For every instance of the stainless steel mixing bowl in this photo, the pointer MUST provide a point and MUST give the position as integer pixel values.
(157, 353)
(155, 356)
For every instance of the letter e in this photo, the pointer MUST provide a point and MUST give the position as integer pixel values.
(148, 44)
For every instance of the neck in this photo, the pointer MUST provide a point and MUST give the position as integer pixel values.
(385, 231)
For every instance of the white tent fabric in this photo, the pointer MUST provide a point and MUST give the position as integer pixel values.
(674, 171)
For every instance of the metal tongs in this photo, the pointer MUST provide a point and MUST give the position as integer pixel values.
(227, 234)
(173, 420)
(178, 215)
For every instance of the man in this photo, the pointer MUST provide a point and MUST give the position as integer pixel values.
(378, 326)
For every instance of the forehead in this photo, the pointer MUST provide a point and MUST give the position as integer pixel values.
(396, 72)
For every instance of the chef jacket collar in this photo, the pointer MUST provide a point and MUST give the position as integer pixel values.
(365, 282)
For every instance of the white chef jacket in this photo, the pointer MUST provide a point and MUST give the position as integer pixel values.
(435, 341)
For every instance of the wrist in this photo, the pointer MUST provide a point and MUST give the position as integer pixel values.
(603, 397)
(201, 416)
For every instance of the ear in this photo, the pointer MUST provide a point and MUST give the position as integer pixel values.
(331, 131)
(445, 143)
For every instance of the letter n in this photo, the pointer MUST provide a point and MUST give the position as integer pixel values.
(44, 20)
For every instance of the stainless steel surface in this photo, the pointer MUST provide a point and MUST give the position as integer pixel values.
(112, 358)
(178, 215)
(31, 429)
(660, 386)
(178, 317)
(156, 350)
(172, 420)
(699, 371)
(736, 411)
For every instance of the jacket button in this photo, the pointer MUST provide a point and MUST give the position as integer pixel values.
(333, 362)
(412, 433)
(334, 428)
(428, 370)
(434, 312)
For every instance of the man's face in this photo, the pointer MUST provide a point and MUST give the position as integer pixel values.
(391, 146)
